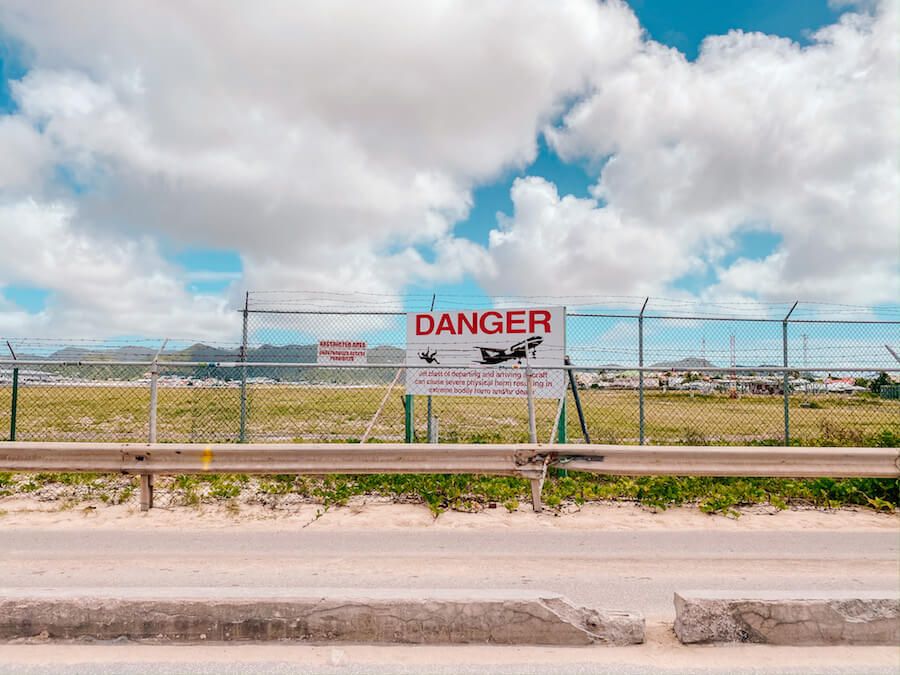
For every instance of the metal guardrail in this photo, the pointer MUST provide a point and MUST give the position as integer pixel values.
(760, 461)
(526, 460)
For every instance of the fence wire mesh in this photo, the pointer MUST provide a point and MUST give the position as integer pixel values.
(707, 378)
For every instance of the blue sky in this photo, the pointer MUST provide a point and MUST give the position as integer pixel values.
(197, 230)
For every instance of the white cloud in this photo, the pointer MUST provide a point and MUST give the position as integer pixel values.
(757, 133)
(574, 246)
(98, 284)
(323, 142)
(24, 157)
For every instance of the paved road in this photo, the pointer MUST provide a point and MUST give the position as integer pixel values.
(617, 569)
(623, 667)
(627, 570)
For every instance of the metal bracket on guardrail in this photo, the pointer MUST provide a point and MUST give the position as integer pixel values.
(562, 461)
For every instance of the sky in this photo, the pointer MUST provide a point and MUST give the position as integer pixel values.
(159, 159)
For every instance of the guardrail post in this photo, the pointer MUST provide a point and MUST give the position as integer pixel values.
(409, 419)
(784, 382)
(641, 371)
(146, 491)
(537, 486)
(242, 437)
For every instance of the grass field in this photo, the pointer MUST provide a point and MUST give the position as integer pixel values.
(294, 413)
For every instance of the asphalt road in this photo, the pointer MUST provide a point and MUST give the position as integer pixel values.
(616, 569)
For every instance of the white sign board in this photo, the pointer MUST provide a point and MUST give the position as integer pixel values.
(338, 352)
(495, 345)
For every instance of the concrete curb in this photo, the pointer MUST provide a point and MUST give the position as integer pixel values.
(319, 615)
(789, 618)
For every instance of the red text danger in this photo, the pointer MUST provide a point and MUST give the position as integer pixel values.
(491, 322)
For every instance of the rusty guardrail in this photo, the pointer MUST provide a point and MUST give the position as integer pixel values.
(527, 460)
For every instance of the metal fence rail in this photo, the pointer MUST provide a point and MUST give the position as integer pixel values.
(526, 460)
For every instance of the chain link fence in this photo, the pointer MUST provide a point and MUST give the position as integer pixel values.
(647, 373)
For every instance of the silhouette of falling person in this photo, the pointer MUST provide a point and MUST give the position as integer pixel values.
(429, 357)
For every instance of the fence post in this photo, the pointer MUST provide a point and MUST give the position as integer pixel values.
(409, 419)
(243, 432)
(561, 427)
(784, 382)
(641, 371)
(429, 423)
(577, 399)
(432, 427)
(147, 478)
(14, 403)
(537, 484)
(433, 432)
(154, 384)
(529, 393)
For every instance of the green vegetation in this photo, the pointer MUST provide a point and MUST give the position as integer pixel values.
(879, 382)
(442, 492)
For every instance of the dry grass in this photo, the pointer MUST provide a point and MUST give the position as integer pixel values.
(289, 413)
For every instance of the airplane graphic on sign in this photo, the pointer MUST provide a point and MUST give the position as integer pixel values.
(519, 351)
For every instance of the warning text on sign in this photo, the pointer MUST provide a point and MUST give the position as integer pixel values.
(498, 382)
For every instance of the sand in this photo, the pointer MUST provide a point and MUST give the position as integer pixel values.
(375, 513)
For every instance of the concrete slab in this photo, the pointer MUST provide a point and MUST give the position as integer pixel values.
(314, 615)
(795, 618)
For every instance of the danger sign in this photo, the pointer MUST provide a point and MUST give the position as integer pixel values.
(496, 346)
(341, 351)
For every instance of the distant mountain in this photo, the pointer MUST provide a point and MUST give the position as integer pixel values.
(689, 363)
(200, 352)
(386, 354)
(127, 353)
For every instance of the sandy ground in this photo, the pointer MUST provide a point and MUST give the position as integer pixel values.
(372, 513)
